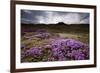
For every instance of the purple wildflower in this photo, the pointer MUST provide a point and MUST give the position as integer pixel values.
(61, 47)
(33, 52)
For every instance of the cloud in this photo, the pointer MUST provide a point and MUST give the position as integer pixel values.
(27, 11)
(85, 21)
(25, 21)
(69, 18)
(48, 17)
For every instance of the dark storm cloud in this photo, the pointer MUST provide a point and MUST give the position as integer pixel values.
(31, 16)
(47, 17)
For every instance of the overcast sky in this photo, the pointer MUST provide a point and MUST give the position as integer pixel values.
(49, 17)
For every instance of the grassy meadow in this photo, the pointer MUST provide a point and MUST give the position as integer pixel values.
(31, 37)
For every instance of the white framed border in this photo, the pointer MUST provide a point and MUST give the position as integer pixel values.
(20, 65)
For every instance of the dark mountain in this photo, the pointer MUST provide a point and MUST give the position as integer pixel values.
(59, 26)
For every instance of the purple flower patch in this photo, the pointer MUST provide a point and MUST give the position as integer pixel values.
(53, 49)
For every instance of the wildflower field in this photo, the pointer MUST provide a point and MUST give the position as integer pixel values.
(43, 43)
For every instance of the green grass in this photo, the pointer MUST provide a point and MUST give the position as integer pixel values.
(77, 32)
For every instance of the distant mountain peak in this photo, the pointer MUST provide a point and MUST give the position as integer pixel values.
(60, 23)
